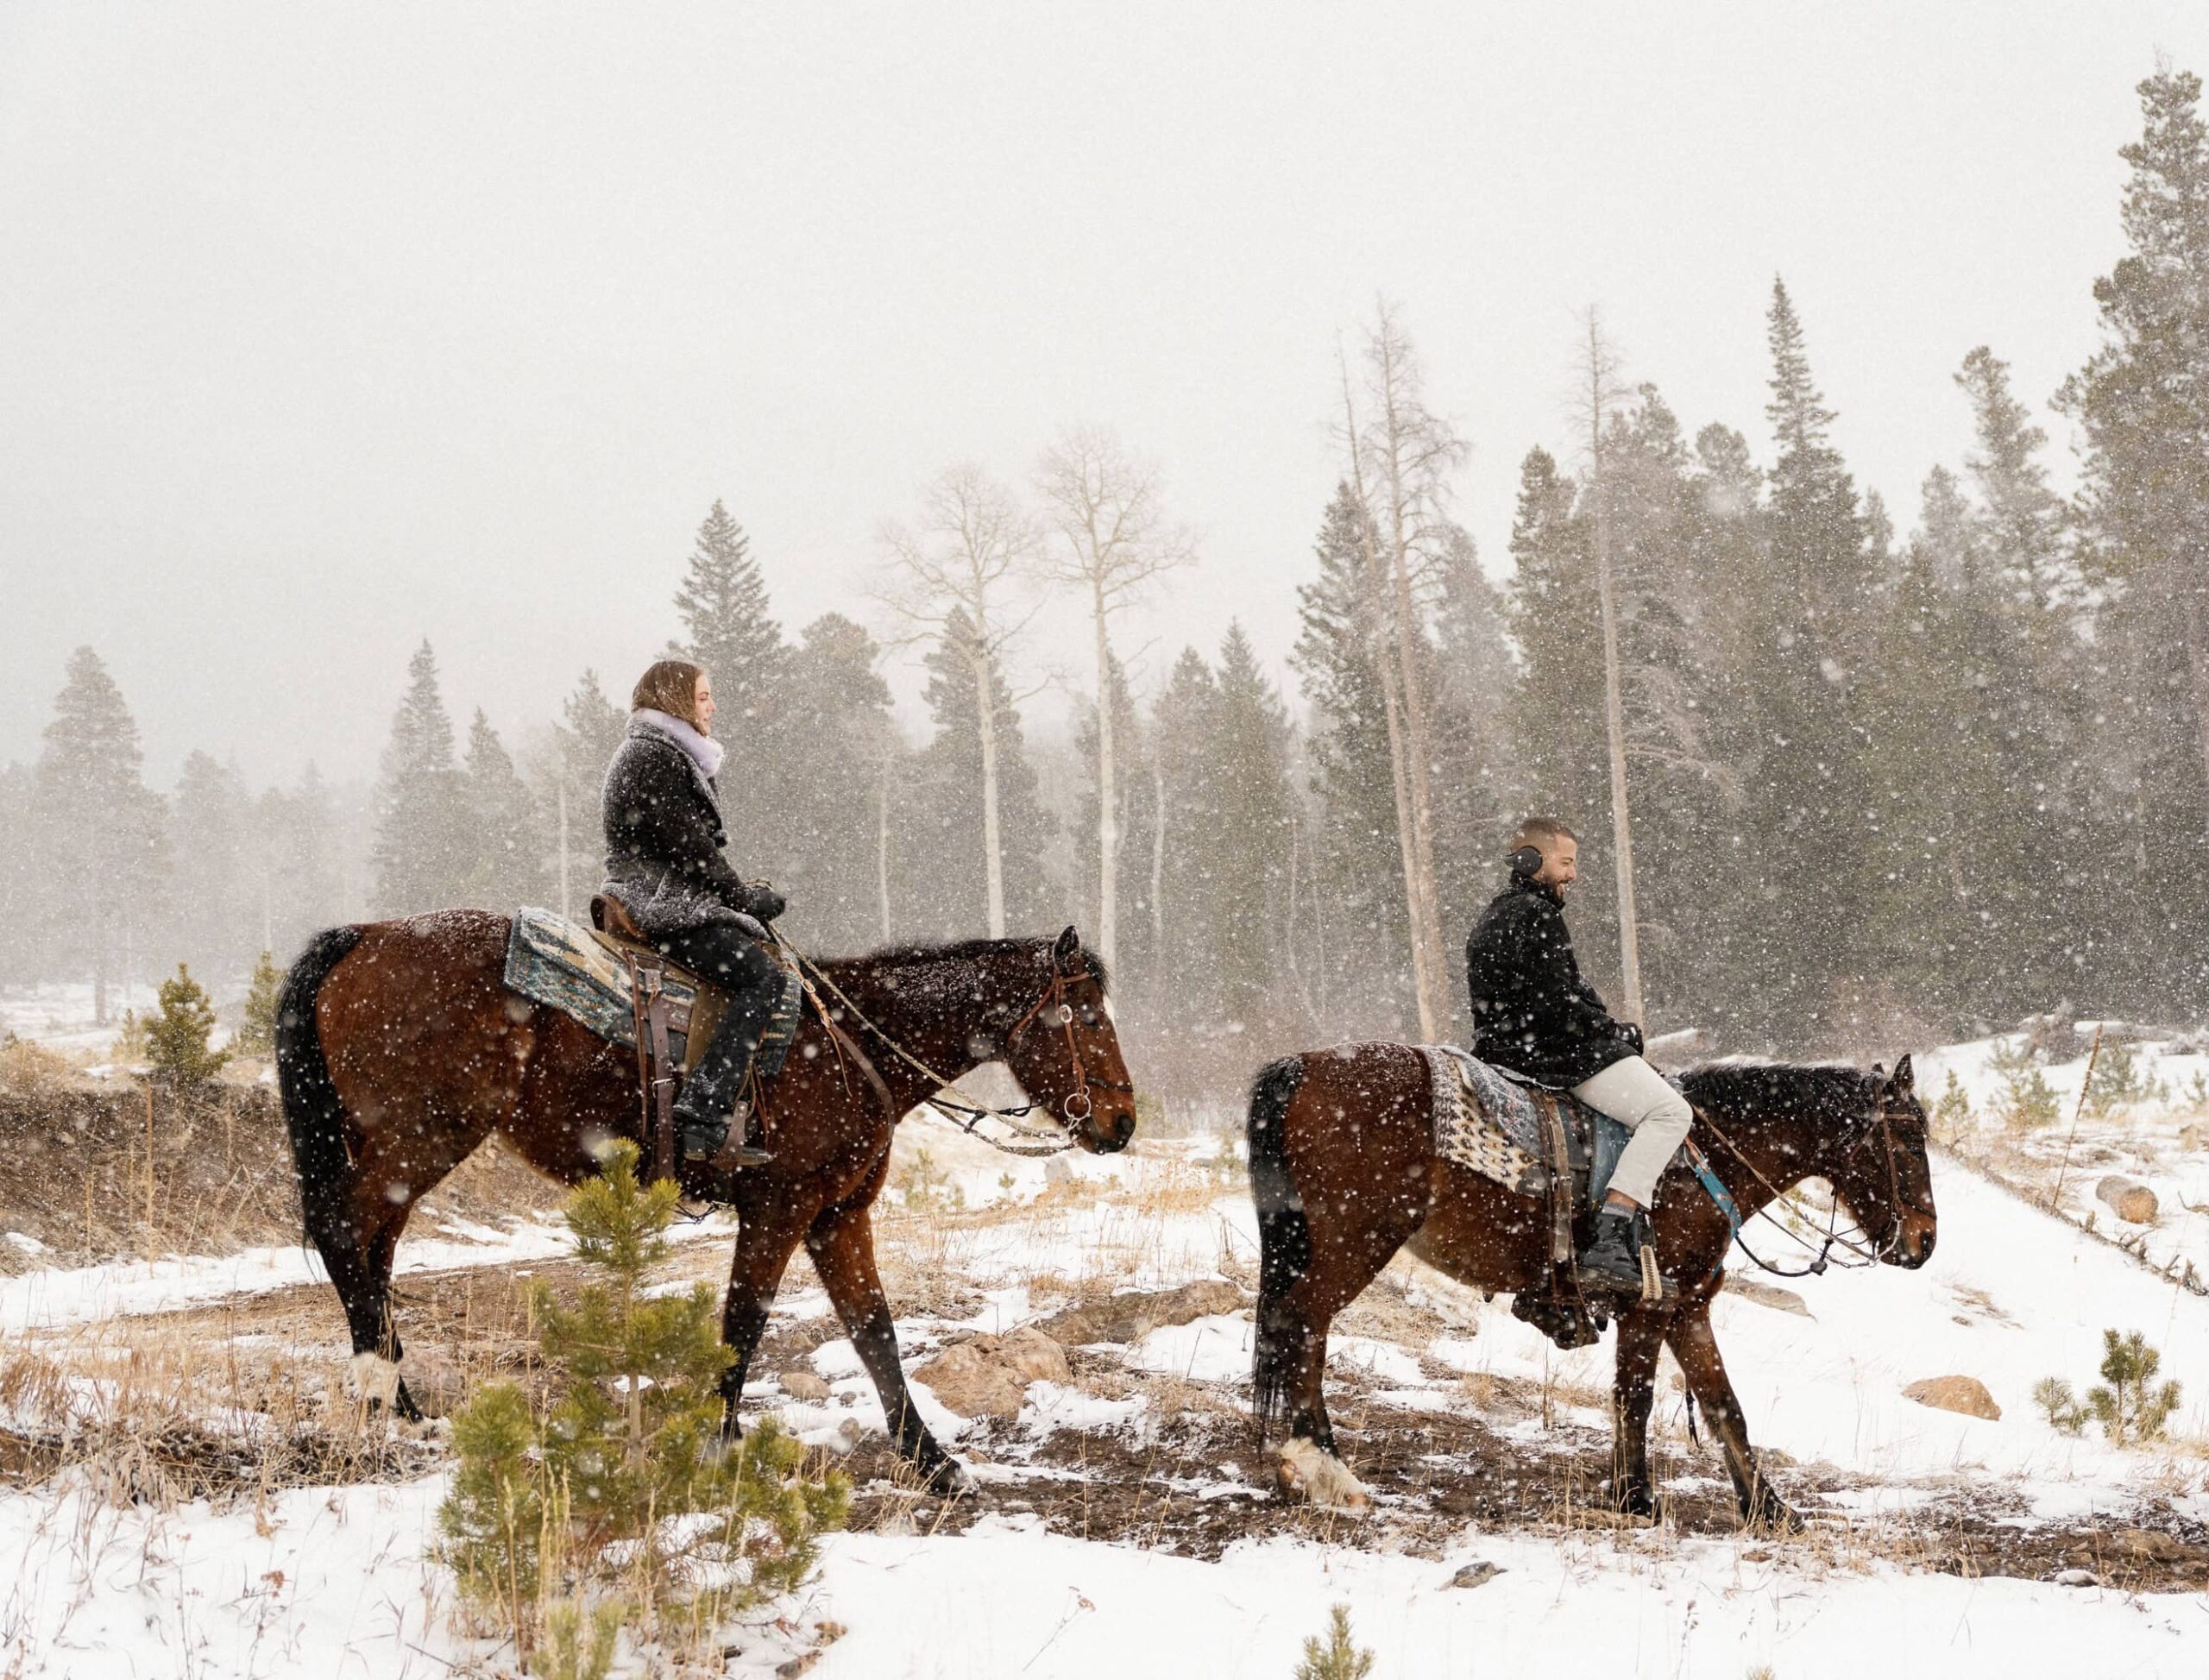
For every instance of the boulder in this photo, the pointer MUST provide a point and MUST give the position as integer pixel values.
(2134, 1202)
(1966, 1395)
(1764, 1295)
(803, 1385)
(987, 1377)
(1128, 1318)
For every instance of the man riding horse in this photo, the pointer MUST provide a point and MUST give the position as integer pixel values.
(1535, 1015)
(664, 863)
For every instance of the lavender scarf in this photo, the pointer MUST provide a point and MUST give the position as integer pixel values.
(703, 750)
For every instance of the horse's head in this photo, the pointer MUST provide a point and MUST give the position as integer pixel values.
(1066, 1052)
(1884, 1177)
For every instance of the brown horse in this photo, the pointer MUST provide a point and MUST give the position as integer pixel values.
(398, 1051)
(1345, 1173)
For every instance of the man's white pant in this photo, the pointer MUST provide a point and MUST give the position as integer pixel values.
(1635, 1095)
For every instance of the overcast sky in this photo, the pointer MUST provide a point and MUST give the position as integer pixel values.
(328, 327)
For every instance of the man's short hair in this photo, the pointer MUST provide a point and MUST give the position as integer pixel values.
(1540, 831)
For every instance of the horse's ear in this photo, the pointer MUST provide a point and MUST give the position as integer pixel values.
(1067, 948)
(1904, 1080)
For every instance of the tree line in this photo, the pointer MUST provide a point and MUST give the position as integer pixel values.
(1878, 784)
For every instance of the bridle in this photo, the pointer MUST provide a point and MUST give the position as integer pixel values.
(1074, 1107)
(1082, 1083)
(1882, 1125)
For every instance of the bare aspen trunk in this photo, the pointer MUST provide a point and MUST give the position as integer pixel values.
(992, 846)
(1614, 702)
(1108, 812)
(1426, 991)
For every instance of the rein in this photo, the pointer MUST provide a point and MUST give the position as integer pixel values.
(1075, 1106)
(1834, 1237)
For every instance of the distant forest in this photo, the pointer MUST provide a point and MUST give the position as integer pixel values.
(1883, 786)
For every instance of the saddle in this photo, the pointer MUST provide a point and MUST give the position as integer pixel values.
(1543, 1143)
(609, 978)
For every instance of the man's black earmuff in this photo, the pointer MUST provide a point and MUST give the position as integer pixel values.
(1526, 861)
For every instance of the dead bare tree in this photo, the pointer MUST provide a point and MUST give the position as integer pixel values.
(1401, 460)
(960, 570)
(1112, 540)
(1598, 391)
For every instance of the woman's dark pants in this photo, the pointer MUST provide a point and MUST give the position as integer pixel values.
(726, 957)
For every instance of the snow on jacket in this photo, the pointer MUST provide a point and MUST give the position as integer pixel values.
(665, 839)
(1532, 1012)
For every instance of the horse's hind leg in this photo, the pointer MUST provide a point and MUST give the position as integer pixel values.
(1696, 1347)
(766, 1241)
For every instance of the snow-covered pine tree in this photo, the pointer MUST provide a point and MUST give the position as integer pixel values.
(423, 849)
(729, 628)
(503, 866)
(214, 905)
(829, 825)
(1359, 914)
(100, 843)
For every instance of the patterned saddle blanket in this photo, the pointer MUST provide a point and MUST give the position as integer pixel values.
(1491, 1122)
(581, 973)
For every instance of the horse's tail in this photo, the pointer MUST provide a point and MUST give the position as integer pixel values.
(313, 1113)
(1284, 1238)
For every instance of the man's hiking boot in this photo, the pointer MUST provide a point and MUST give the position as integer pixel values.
(1613, 1264)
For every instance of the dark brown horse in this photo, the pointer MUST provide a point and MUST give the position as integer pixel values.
(398, 1051)
(1345, 1173)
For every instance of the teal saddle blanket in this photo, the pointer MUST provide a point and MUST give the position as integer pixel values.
(553, 960)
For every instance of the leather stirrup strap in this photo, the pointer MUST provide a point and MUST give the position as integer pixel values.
(660, 1075)
(640, 1021)
(1560, 1155)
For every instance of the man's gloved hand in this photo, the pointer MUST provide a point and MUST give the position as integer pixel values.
(761, 900)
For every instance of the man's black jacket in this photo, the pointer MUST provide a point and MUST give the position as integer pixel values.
(1531, 1011)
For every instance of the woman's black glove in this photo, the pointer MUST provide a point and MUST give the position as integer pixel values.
(761, 900)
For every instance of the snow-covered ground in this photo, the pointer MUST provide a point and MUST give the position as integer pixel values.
(335, 1580)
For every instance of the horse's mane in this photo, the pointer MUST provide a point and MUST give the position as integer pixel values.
(1832, 1093)
(909, 952)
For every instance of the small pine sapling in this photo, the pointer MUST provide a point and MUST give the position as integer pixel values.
(256, 1033)
(2130, 1408)
(615, 1475)
(1336, 1657)
(130, 1039)
(577, 1647)
(1952, 1111)
(176, 1038)
(2118, 1086)
(2031, 1102)
(2060, 1406)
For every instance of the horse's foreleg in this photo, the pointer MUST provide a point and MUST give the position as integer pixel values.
(764, 1248)
(842, 1243)
(1696, 1347)
(386, 1374)
(1642, 1337)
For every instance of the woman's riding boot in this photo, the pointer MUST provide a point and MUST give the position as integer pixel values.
(708, 1101)
(1612, 1263)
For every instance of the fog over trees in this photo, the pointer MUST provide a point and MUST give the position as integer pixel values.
(1891, 773)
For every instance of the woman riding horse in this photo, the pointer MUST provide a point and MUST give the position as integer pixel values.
(664, 863)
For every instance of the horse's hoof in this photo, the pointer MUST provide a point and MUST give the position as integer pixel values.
(1309, 1470)
(1768, 1513)
(950, 1480)
(1633, 1499)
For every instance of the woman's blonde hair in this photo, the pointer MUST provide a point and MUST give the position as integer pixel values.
(668, 686)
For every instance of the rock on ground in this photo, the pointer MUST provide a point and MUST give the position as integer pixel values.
(1966, 1395)
(1129, 1318)
(987, 1377)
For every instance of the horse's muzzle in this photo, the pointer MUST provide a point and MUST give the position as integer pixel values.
(1911, 1244)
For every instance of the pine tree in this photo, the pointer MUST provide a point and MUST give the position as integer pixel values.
(503, 867)
(20, 959)
(589, 732)
(423, 848)
(256, 1033)
(2142, 402)
(730, 630)
(215, 897)
(941, 836)
(177, 1038)
(1361, 923)
(1246, 754)
(831, 823)
(299, 847)
(100, 842)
